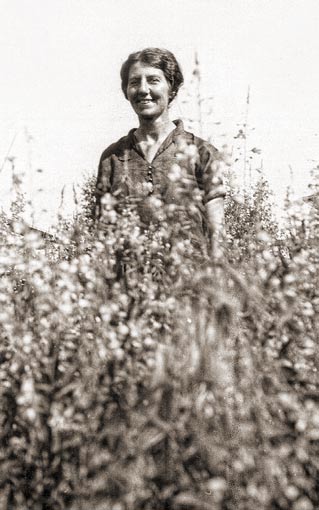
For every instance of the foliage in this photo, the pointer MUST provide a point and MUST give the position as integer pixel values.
(247, 217)
(135, 374)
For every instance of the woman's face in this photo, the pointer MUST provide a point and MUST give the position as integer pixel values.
(148, 90)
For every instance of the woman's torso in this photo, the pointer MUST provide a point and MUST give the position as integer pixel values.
(180, 179)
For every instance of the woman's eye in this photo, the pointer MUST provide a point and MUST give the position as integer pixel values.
(154, 80)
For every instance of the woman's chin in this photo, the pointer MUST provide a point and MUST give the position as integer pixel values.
(146, 113)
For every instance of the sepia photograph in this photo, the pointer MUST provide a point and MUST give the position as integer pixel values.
(159, 272)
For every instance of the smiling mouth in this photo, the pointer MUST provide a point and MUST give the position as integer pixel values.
(145, 101)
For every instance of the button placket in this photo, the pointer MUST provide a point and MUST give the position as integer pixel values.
(150, 178)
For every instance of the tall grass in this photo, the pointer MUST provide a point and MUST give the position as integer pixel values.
(134, 378)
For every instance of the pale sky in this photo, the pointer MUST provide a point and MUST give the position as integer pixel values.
(61, 101)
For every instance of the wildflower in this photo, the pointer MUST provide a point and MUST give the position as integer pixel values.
(66, 308)
(149, 342)
(31, 414)
(216, 487)
(239, 199)
(84, 303)
(175, 173)
(303, 503)
(123, 329)
(27, 392)
(263, 237)
(308, 310)
(119, 354)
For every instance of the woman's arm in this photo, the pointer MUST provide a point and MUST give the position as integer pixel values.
(211, 181)
(216, 220)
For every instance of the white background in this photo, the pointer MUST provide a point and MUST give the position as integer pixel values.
(61, 102)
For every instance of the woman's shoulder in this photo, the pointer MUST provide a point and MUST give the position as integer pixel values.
(117, 148)
(204, 145)
(192, 139)
(205, 149)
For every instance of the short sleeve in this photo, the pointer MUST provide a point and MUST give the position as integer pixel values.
(209, 172)
(103, 181)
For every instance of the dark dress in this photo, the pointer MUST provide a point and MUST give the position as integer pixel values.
(126, 174)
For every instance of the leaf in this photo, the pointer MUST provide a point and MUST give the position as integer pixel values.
(187, 501)
(151, 438)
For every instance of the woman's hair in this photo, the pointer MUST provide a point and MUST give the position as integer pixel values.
(155, 57)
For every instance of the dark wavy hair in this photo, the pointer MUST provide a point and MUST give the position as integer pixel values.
(159, 58)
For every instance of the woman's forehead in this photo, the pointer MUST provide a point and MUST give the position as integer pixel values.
(140, 69)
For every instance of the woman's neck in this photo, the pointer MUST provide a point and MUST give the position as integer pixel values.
(155, 129)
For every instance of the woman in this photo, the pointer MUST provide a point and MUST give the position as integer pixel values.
(141, 165)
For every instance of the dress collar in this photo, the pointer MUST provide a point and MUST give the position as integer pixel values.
(179, 130)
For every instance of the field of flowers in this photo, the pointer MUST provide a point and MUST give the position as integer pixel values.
(134, 378)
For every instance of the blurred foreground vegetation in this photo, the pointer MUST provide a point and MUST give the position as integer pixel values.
(134, 378)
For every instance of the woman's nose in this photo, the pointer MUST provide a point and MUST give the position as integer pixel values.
(143, 87)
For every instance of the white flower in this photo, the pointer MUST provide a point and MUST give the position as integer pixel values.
(191, 151)
(175, 173)
(31, 414)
